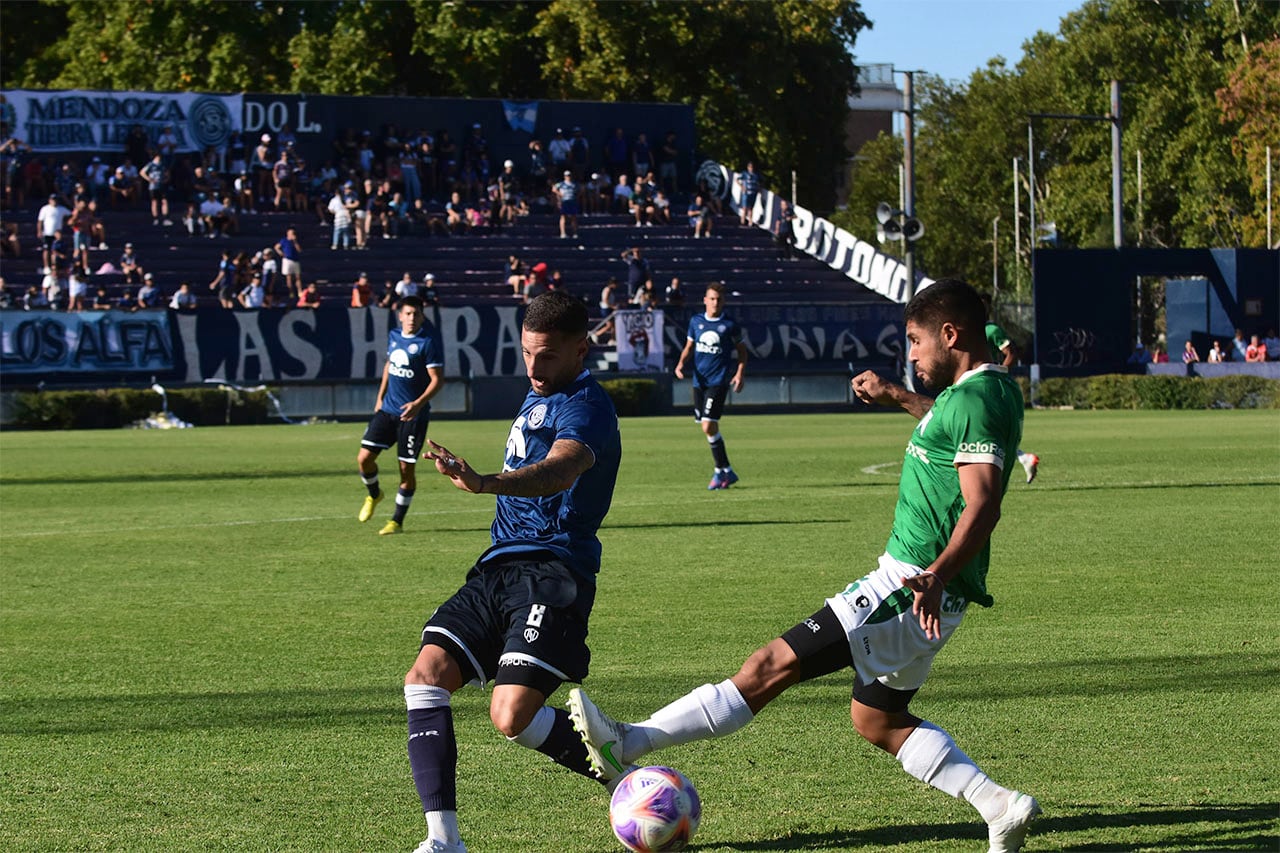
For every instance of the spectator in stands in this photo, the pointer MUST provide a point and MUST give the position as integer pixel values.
(49, 221)
(123, 189)
(6, 300)
(1159, 355)
(641, 155)
(579, 156)
(748, 192)
(224, 280)
(537, 282)
(60, 252)
(167, 145)
(661, 208)
(431, 216)
(398, 221)
(261, 165)
(81, 223)
(642, 202)
(617, 158)
(102, 300)
(784, 230)
(1239, 346)
(622, 195)
(64, 182)
(406, 286)
(10, 245)
(1216, 355)
(34, 299)
(597, 195)
(409, 173)
(567, 192)
(129, 265)
(282, 182)
(237, 153)
(428, 293)
(362, 292)
(1272, 343)
(310, 297)
(646, 297)
(291, 253)
(77, 288)
(157, 178)
(700, 216)
(97, 228)
(253, 296)
(638, 269)
(537, 181)
(274, 285)
(341, 221)
(509, 190)
(97, 176)
(675, 293)
(1189, 354)
(14, 153)
(183, 299)
(558, 148)
(219, 218)
(609, 302)
(669, 164)
(1256, 351)
(150, 295)
(456, 214)
(1140, 354)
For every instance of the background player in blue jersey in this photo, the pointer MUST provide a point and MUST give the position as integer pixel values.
(712, 336)
(414, 372)
(520, 619)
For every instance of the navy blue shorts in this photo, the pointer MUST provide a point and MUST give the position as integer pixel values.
(529, 612)
(386, 429)
(708, 403)
(569, 207)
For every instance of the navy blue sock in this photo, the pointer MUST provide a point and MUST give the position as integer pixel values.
(371, 483)
(433, 758)
(564, 746)
(718, 454)
(403, 499)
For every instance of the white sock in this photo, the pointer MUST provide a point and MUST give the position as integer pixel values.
(930, 755)
(443, 826)
(1024, 458)
(712, 710)
(535, 734)
(421, 696)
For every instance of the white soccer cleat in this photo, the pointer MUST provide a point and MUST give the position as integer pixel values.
(1031, 463)
(601, 734)
(435, 845)
(1007, 832)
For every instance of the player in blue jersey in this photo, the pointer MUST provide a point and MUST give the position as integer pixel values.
(711, 338)
(413, 374)
(567, 192)
(520, 619)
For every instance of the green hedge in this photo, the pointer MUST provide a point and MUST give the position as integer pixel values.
(633, 397)
(112, 408)
(1126, 391)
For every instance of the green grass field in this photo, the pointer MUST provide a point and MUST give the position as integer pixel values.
(201, 649)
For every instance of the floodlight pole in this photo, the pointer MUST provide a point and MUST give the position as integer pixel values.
(909, 175)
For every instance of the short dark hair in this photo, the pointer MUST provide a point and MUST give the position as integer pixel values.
(413, 301)
(556, 311)
(948, 300)
(717, 286)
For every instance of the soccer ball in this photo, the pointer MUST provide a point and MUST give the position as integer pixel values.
(655, 809)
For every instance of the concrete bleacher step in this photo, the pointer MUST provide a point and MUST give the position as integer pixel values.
(470, 267)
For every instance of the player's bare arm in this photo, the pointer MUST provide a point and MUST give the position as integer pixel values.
(981, 488)
(739, 376)
(382, 388)
(870, 387)
(413, 408)
(565, 462)
(684, 356)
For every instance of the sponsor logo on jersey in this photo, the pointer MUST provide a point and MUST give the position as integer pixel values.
(400, 364)
(986, 448)
(812, 625)
(918, 452)
(709, 343)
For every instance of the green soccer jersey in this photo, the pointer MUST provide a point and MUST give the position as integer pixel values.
(976, 420)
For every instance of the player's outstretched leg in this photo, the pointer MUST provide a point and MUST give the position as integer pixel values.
(433, 759)
(1008, 831)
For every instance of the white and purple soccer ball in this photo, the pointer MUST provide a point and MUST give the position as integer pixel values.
(655, 809)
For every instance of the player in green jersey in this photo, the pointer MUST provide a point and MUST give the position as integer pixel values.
(888, 625)
(1005, 352)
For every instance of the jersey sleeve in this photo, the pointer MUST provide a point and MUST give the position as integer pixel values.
(435, 352)
(981, 431)
(582, 420)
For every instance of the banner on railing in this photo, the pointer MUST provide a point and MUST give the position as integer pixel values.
(639, 335)
(815, 236)
(84, 120)
(335, 343)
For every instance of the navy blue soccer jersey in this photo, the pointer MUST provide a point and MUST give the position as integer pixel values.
(408, 357)
(564, 523)
(715, 344)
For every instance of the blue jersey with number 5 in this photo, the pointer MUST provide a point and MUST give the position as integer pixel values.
(715, 348)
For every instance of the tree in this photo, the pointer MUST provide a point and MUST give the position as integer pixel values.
(1251, 102)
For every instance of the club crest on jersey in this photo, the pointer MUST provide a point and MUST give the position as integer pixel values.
(537, 416)
(413, 349)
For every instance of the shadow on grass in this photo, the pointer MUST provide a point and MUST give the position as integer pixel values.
(168, 477)
(193, 711)
(1241, 827)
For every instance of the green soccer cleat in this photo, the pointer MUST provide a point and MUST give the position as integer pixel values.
(369, 505)
(390, 529)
